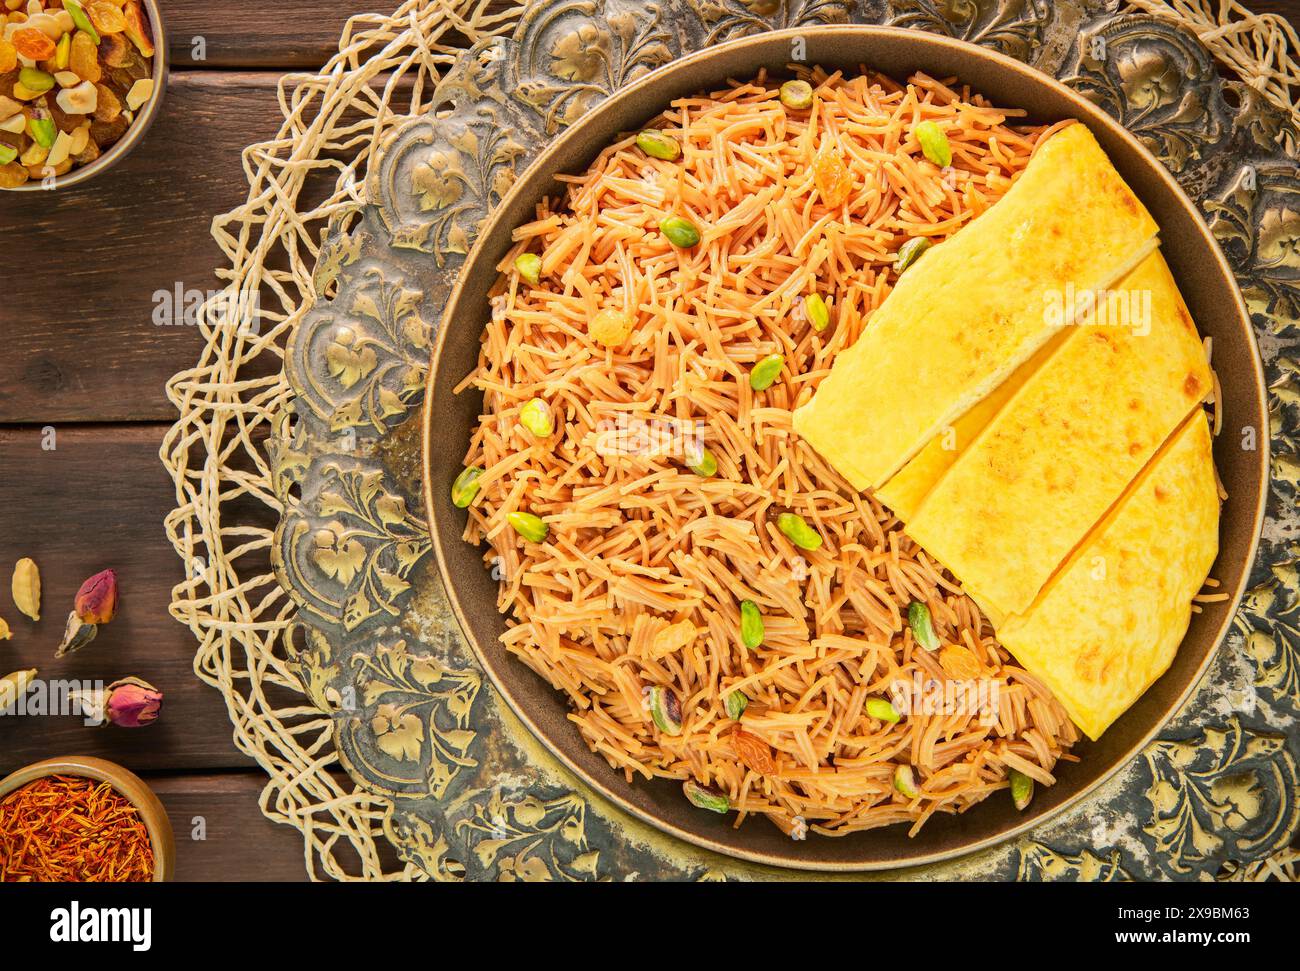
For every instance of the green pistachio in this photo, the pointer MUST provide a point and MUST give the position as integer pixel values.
(680, 232)
(798, 532)
(736, 704)
(666, 710)
(535, 415)
(1022, 789)
(905, 781)
(42, 130)
(703, 463)
(658, 145)
(918, 617)
(529, 266)
(80, 19)
(7, 154)
(752, 631)
(934, 143)
(797, 95)
(34, 79)
(910, 252)
(882, 710)
(706, 797)
(765, 372)
(819, 315)
(528, 526)
(465, 488)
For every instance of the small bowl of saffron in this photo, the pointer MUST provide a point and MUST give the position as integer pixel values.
(82, 820)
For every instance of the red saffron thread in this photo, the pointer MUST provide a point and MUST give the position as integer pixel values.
(71, 829)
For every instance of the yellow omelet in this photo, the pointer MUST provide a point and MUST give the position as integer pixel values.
(1109, 624)
(1063, 448)
(970, 311)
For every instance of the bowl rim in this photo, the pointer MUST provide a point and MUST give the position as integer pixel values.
(135, 133)
(127, 783)
(1088, 113)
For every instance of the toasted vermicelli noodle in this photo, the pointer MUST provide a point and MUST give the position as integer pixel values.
(638, 542)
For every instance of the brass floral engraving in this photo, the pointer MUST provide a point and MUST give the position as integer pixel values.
(729, 19)
(350, 551)
(532, 838)
(1014, 27)
(575, 54)
(1256, 219)
(1156, 79)
(1042, 863)
(1229, 793)
(412, 728)
(467, 793)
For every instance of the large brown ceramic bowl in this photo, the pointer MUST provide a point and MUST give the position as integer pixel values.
(1206, 282)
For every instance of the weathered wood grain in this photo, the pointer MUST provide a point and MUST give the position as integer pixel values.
(96, 502)
(80, 341)
(221, 833)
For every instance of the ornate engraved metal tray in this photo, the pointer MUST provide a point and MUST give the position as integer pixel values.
(471, 794)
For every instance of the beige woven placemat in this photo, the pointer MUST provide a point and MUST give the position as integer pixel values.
(383, 74)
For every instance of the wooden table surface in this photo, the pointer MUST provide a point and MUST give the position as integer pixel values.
(81, 354)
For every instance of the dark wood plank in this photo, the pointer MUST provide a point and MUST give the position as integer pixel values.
(96, 502)
(80, 340)
(269, 34)
(1290, 9)
(257, 33)
(238, 842)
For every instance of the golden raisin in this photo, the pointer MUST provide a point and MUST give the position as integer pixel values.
(959, 663)
(673, 638)
(831, 175)
(109, 107)
(12, 175)
(33, 44)
(107, 18)
(610, 327)
(8, 56)
(84, 58)
(755, 753)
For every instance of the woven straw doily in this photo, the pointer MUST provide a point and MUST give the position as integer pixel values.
(383, 75)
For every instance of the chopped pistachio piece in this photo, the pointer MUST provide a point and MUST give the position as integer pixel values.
(882, 710)
(918, 618)
(797, 95)
(765, 372)
(797, 531)
(905, 781)
(910, 252)
(681, 232)
(819, 315)
(529, 266)
(1022, 789)
(752, 630)
(934, 143)
(536, 416)
(666, 710)
(706, 797)
(736, 703)
(465, 488)
(658, 145)
(528, 526)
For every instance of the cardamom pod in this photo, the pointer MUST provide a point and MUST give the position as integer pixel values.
(27, 588)
(14, 686)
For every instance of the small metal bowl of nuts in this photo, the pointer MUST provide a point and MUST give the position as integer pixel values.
(80, 82)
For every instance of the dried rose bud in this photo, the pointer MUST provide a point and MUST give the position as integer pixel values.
(133, 703)
(97, 599)
(76, 635)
